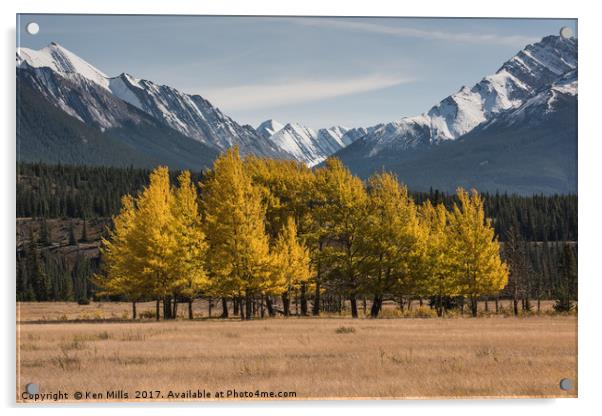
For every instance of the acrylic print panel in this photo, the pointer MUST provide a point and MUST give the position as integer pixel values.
(288, 208)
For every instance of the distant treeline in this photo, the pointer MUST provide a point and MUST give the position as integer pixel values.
(59, 191)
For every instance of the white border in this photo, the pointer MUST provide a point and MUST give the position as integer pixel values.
(590, 176)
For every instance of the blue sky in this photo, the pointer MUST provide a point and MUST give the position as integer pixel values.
(316, 71)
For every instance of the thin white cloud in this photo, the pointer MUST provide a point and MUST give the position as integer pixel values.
(255, 96)
(465, 37)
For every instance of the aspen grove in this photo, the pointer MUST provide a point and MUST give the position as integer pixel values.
(255, 230)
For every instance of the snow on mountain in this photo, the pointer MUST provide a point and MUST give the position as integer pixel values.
(268, 128)
(541, 105)
(517, 80)
(355, 133)
(306, 145)
(190, 115)
(60, 60)
(332, 138)
(299, 142)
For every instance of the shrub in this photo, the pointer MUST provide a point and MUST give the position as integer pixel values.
(420, 312)
(345, 330)
(147, 315)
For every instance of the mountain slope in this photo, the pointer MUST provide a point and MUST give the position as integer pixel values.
(513, 131)
(45, 133)
(191, 115)
(268, 128)
(517, 80)
(306, 145)
(530, 149)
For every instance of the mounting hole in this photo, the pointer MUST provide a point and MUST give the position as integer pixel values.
(32, 388)
(32, 28)
(566, 384)
(566, 32)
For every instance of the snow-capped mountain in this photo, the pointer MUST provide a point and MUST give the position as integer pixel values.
(304, 144)
(268, 128)
(298, 141)
(546, 101)
(519, 135)
(515, 129)
(517, 80)
(191, 115)
(62, 61)
(72, 120)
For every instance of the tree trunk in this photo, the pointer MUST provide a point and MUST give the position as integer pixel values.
(538, 305)
(316, 307)
(497, 305)
(440, 305)
(420, 302)
(241, 308)
(303, 299)
(365, 305)
(133, 310)
(462, 305)
(286, 303)
(474, 304)
(296, 302)
(157, 316)
(224, 308)
(262, 308)
(190, 314)
(353, 300)
(527, 303)
(376, 306)
(515, 299)
(270, 306)
(248, 308)
(487, 304)
(166, 307)
(209, 307)
(235, 306)
(174, 315)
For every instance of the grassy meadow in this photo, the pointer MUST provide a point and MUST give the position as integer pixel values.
(70, 347)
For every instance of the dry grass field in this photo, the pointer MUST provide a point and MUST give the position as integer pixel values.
(313, 357)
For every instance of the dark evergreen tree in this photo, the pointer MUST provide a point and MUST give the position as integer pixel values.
(566, 288)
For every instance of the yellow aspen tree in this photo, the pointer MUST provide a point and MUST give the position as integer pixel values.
(234, 222)
(439, 282)
(286, 187)
(474, 250)
(122, 268)
(152, 240)
(392, 238)
(340, 211)
(188, 258)
(291, 262)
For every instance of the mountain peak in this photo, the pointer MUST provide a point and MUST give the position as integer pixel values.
(268, 128)
(532, 69)
(62, 61)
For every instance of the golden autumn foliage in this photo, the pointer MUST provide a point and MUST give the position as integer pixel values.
(234, 218)
(393, 240)
(258, 228)
(473, 251)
